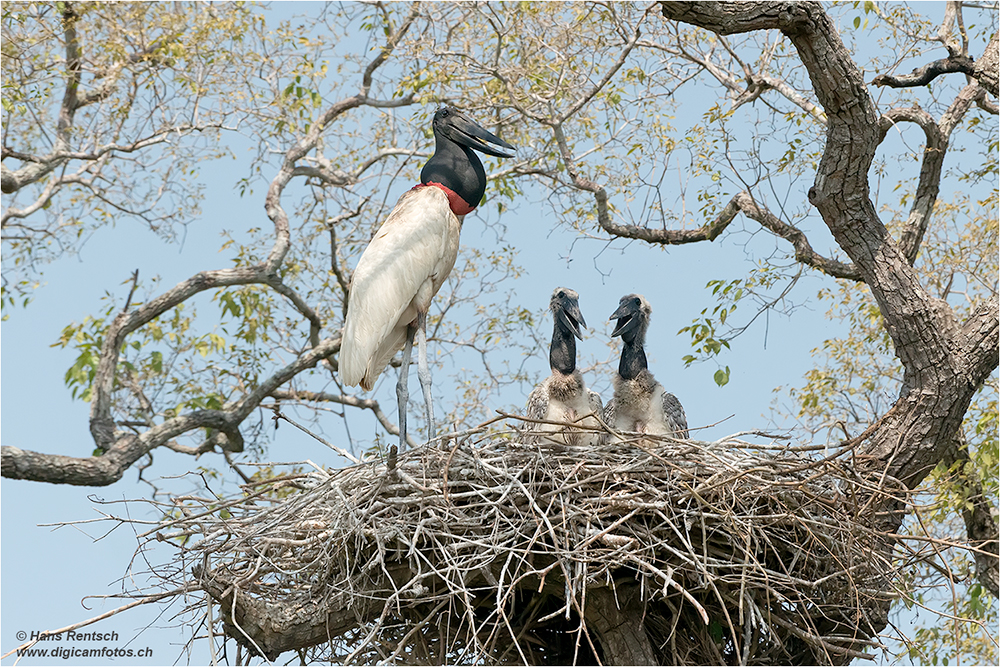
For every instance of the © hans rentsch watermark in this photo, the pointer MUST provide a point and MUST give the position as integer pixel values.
(76, 644)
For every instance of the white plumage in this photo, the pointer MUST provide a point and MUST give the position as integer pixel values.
(398, 275)
(563, 396)
(640, 404)
(408, 260)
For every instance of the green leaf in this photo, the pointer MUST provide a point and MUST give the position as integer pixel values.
(722, 376)
(715, 629)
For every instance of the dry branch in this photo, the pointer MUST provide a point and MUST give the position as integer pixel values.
(487, 550)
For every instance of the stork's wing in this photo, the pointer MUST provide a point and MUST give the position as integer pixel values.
(400, 271)
(536, 408)
(596, 404)
(538, 402)
(609, 413)
(673, 414)
(609, 419)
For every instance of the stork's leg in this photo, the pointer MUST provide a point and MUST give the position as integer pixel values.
(424, 372)
(402, 391)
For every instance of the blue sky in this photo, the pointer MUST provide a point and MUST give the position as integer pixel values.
(63, 566)
(45, 573)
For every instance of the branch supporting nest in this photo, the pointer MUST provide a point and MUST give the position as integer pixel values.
(483, 549)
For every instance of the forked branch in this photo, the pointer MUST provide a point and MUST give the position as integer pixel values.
(120, 449)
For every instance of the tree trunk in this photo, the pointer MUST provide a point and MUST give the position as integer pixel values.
(617, 620)
(944, 361)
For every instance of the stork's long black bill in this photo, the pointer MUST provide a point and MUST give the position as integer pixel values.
(625, 325)
(475, 137)
(627, 319)
(572, 319)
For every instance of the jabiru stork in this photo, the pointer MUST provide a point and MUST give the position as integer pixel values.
(640, 404)
(409, 258)
(563, 396)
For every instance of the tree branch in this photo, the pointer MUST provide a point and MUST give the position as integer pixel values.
(935, 150)
(936, 391)
(75, 99)
(126, 448)
(741, 202)
(981, 341)
(341, 399)
(122, 449)
(11, 181)
(985, 69)
(803, 250)
(315, 324)
(980, 524)
(732, 18)
(599, 86)
(924, 75)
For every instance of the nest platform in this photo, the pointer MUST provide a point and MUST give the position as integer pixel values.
(484, 550)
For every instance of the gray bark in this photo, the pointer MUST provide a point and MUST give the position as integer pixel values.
(121, 449)
(945, 361)
(616, 618)
(986, 68)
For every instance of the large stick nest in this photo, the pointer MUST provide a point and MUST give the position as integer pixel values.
(490, 551)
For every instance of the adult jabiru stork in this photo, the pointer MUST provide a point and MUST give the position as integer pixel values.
(406, 263)
(640, 404)
(563, 396)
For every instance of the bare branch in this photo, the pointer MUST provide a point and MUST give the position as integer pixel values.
(757, 83)
(803, 250)
(149, 599)
(921, 76)
(935, 150)
(343, 278)
(608, 75)
(985, 69)
(342, 399)
(792, 96)
(391, 42)
(742, 201)
(325, 172)
(307, 311)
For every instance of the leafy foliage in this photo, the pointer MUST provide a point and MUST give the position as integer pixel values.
(599, 98)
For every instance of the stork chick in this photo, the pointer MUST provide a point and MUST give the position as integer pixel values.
(406, 263)
(640, 404)
(563, 396)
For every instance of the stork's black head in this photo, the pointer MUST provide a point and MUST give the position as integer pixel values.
(633, 318)
(454, 164)
(565, 306)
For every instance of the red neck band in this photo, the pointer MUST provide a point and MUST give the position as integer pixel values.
(458, 205)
